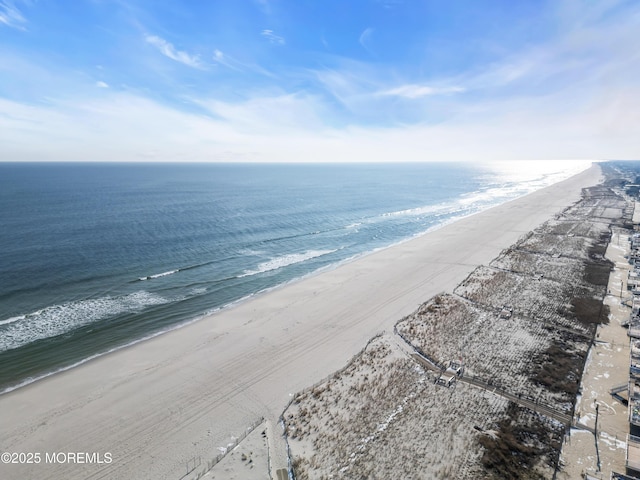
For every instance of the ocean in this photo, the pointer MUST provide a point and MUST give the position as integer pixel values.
(94, 257)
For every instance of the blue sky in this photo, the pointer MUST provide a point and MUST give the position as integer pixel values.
(330, 80)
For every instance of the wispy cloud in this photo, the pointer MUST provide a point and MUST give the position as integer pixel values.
(349, 83)
(413, 91)
(571, 94)
(270, 113)
(272, 37)
(10, 15)
(168, 50)
(221, 58)
(365, 39)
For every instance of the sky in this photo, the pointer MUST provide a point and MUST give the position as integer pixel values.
(319, 80)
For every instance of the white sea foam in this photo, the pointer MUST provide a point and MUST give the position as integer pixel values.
(426, 210)
(250, 251)
(12, 319)
(492, 194)
(158, 275)
(59, 319)
(512, 180)
(465, 202)
(30, 380)
(286, 260)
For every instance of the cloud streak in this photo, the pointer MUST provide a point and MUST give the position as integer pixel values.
(11, 16)
(272, 37)
(168, 50)
(413, 91)
(221, 58)
(365, 39)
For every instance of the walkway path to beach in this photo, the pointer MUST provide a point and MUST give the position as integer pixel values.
(156, 405)
(525, 402)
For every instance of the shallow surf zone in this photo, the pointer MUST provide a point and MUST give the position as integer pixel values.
(60, 319)
(286, 260)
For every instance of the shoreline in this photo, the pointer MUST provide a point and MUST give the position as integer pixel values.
(218, 374)
(250, 297)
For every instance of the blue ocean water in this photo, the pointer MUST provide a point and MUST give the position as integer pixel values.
(97, 256)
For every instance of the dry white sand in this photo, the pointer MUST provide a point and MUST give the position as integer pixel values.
(247, 461)
(158, 404)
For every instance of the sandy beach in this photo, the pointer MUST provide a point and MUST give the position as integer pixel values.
(156, 406)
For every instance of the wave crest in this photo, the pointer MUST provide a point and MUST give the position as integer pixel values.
(286, 260)
(158, 275)
(56, 320)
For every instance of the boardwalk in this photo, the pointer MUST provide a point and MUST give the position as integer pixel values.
(546, 410)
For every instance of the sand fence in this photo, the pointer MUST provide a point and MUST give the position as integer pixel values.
(195, 463)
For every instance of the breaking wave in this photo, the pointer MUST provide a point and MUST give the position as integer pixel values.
(286, 260)
(59, 319)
